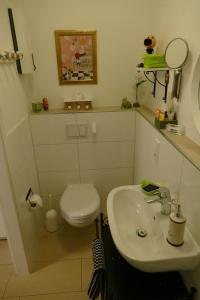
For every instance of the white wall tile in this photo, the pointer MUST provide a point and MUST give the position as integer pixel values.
(107, 179)
(106, 155)
(110, 126)
(189, 197)
(53, 204)
(55, 182)
(19, 146)
(56, 157)
(51, 129)
(23, 179)
(168, 174)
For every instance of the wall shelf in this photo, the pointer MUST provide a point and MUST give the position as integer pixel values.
(155, 80)
(153, 69)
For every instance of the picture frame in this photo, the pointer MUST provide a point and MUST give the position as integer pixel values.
(76, 56)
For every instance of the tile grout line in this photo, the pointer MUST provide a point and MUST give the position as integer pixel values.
(81, 273)
(77, 150)
(59, 260)
(6, 285)
(86, 142)
(76, 170)
(49, 294)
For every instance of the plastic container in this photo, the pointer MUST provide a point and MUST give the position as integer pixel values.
(154, 61)
(176, 129)
(51, 220)
(37, 106)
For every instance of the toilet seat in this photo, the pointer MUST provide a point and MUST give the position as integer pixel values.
(80, 204)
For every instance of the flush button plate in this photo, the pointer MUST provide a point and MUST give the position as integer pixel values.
(83, 130)
(72, 131)
(75, 130)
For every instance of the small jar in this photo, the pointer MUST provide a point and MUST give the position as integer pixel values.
(45, 103)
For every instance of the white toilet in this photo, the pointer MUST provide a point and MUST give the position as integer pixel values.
(80, 204)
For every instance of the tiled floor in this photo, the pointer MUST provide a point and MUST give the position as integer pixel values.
(62, 269)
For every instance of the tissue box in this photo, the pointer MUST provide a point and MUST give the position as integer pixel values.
(78, 105)
(154, 61)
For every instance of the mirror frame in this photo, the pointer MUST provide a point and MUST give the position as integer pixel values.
(187, 47)
(195, 91)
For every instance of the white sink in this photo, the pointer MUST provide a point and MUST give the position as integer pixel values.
(127, 212)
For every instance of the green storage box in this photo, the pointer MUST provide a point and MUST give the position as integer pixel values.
(162, 124)
(154, 61)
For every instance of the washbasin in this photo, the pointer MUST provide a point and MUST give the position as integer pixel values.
(139, 232)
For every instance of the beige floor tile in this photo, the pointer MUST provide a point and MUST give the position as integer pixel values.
(67, 296)
(87, 267)
(63, 247)
(5, 273)
(70, 242)
(76, 231)
(58, 277)
(71, 231)
(5, 258)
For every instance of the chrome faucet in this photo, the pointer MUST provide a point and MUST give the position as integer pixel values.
(164, 198)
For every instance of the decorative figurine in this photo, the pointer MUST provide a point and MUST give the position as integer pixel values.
(150, 43)
(126, 104)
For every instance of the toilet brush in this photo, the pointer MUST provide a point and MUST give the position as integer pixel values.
(51, 217)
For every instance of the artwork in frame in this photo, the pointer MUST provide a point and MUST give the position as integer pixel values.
(76, 56)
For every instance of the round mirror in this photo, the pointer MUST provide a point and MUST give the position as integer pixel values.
(176, 53)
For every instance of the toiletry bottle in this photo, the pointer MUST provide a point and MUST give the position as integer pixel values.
(161, 116)
(176, 228)
(157, 113)
(45, 103)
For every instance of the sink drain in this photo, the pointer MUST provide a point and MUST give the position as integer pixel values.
(141, 232)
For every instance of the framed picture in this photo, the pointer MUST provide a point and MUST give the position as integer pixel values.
(76, 56)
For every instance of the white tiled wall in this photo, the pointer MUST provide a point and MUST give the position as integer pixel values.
(104, 158)
(55, 182)
(106, 155)
(171, 169)
(51, 129)
(161, 163)
(61, 157)
(18, 145)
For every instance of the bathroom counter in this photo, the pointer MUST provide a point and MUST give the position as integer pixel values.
(93, 110)
(182, 143)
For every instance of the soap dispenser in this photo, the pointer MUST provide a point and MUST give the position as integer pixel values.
(176, 228)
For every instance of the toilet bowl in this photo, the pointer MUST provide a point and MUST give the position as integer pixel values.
(80, 204)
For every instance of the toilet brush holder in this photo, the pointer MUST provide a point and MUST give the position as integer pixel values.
(51, 220)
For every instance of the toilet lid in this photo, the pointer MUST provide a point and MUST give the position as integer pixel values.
(79, 201)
